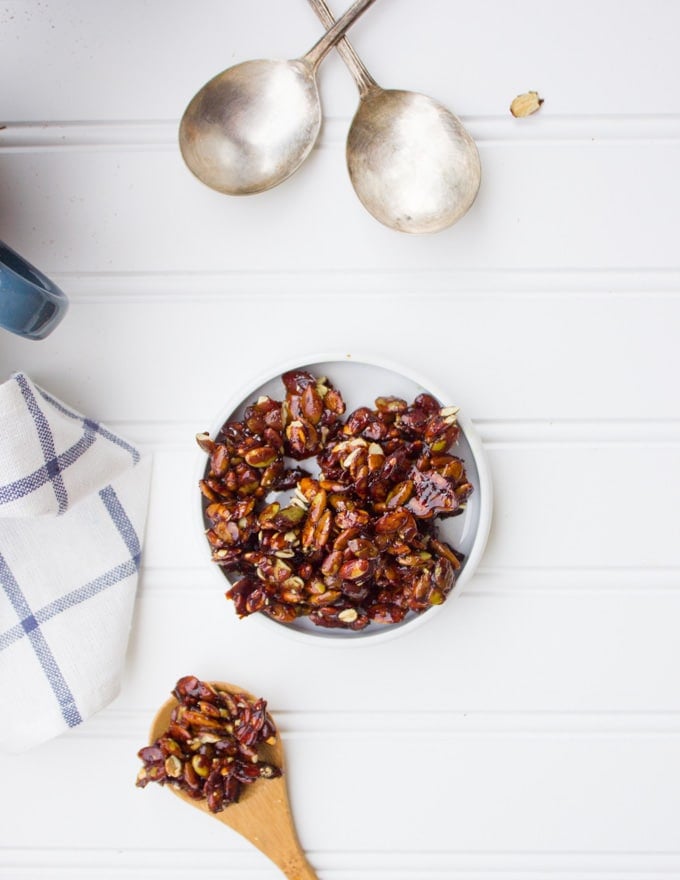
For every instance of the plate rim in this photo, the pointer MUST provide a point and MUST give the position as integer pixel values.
(369, 636)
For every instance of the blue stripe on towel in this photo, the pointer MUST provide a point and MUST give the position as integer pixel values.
(51, 471)
(55, 466)
(46, 442)
(31, 620)
(122, 522)
(30, 628)
(69, 600)
(92, 425)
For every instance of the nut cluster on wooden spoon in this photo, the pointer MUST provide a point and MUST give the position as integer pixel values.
(210, 747)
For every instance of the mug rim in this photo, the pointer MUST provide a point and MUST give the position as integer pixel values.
(42, 302)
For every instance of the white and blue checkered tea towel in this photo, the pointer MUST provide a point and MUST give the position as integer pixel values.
(73, 503)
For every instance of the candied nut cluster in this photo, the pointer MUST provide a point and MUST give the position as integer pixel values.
(210, 748)
(354, 544)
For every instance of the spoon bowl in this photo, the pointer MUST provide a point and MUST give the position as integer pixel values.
(412, 163)
(263, 814)
(253, 125)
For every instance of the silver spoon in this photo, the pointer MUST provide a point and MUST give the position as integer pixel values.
(412, 163)
(252, 126)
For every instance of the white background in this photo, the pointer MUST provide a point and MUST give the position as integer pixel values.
(532, 729)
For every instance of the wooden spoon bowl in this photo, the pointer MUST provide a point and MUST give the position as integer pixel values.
(263, 814)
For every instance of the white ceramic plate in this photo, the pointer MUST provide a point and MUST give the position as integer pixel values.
(360, 380)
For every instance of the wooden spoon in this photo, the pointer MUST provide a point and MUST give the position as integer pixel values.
(262, 815)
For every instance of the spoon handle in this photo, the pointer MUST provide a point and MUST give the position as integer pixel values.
(356, 66)
(319, 50)
(299, 869)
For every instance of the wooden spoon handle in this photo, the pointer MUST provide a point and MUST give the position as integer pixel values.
(298, 868)
(267, 822)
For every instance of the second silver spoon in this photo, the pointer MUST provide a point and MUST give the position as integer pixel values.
(412, 163)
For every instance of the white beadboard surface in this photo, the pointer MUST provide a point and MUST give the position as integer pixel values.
(532, 728)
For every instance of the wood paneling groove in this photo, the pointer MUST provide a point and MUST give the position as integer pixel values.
(495, 433)
(457, 283)
(160, 134)
(411, 724)
(440, 863)
(545, 583)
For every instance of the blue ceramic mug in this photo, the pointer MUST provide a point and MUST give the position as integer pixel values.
(30, 304)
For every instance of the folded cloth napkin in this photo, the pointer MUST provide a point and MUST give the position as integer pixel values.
(73, 503)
